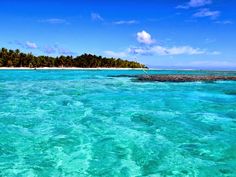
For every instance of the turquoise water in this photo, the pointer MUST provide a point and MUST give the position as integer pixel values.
(86, 123)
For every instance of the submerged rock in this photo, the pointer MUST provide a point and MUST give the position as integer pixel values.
(184, 78)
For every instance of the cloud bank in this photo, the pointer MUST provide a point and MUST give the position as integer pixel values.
(207, 13)
(195, 4)
(146, 39)
(124, 22)
(54, 21)
(161, 50)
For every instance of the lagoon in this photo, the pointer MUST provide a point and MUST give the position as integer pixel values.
(87, 123)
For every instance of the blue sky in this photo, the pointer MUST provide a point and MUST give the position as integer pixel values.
(161, 33)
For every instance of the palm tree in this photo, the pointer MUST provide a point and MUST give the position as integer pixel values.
(15, 58)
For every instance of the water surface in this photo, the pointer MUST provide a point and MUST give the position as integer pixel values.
(86, 123)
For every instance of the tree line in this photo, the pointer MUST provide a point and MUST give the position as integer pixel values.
(15, 58)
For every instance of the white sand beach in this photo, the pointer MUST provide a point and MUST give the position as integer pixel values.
(67, 68)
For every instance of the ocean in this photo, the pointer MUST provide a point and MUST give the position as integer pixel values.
(90, 123)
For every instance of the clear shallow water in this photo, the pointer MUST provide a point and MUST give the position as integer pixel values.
(85, 123)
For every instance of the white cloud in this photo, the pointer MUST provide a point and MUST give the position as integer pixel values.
(139, 51)
(160, 50)
(214, 53)
(54, 21)
(195, 3)
(207, 13)
(187, 50)
(56, 49)
(199, 3)
(225, 22)
(96, 17)
(31, 45)
(27, 44)
(49, 50)
(63, 51)
(123, 22)
(182, 7)
(144, 38)
(115, 54)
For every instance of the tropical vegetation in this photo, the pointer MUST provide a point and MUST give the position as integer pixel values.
(15, 58)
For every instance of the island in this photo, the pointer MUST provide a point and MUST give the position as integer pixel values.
(17, 59)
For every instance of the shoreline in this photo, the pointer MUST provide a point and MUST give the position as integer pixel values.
(125, 69)
(67, 68)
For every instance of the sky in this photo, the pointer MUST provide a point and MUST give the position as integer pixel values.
(159, 33)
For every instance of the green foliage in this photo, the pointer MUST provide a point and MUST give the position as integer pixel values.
(14, 58)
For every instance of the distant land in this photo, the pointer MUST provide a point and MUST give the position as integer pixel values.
(190, 67)
(17, 59)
